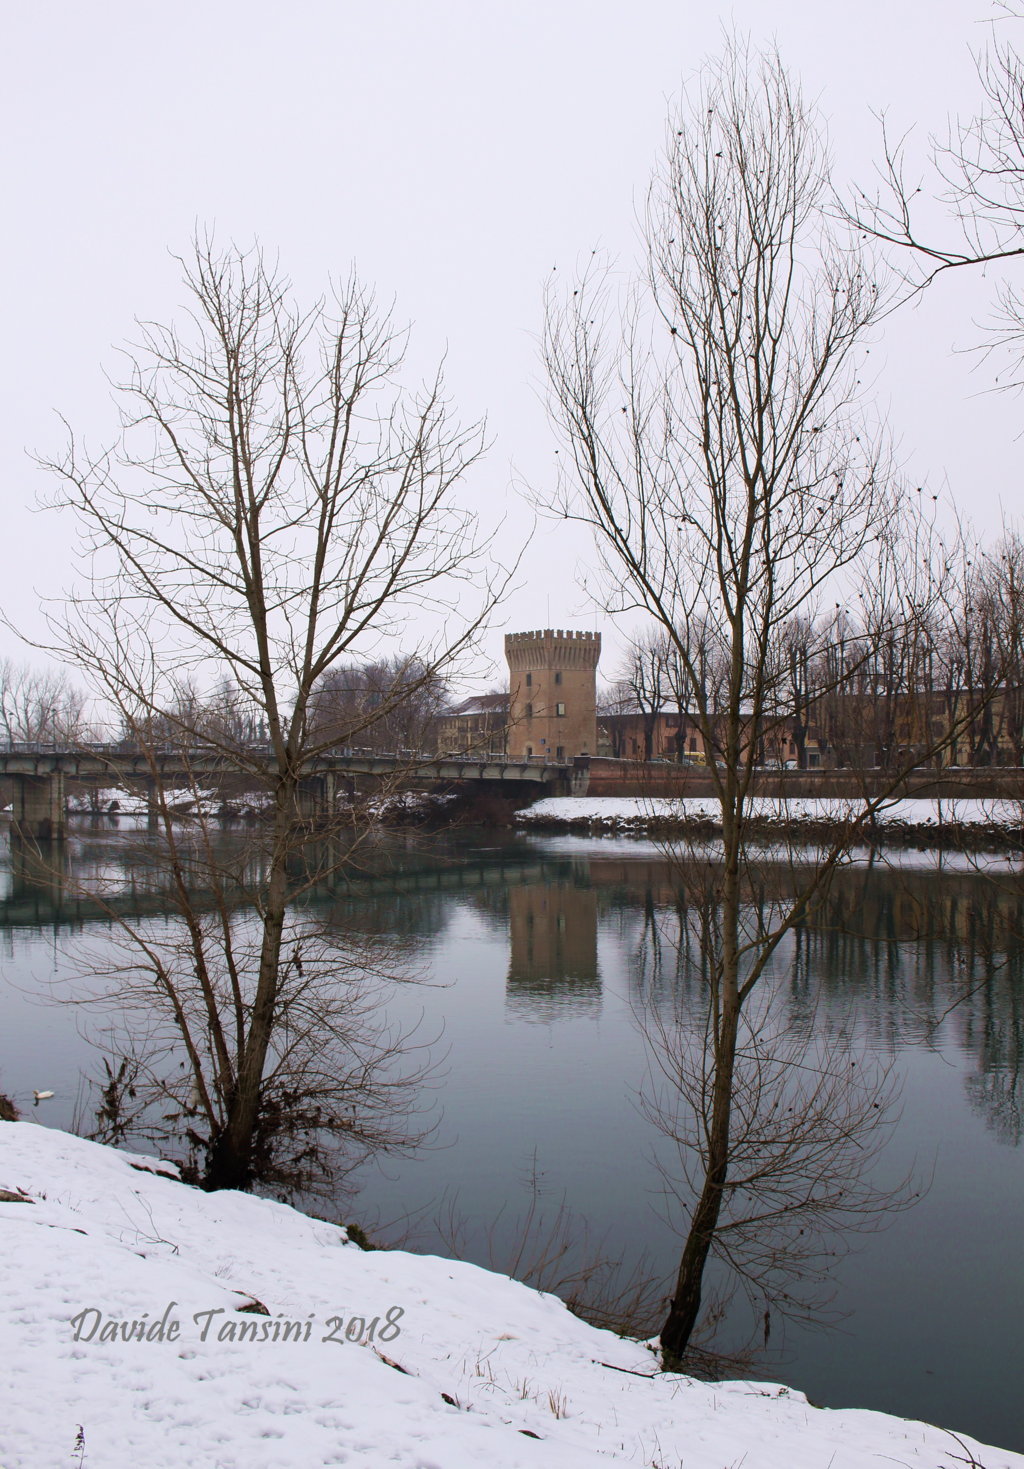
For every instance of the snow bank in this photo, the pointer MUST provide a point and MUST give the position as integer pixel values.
(408, 806)
(108, 800)
(465, 1367)
(119, 801)
(911, 815)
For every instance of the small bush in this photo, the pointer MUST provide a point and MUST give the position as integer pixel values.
(359, 1237)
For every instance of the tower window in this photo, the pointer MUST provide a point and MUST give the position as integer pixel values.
(558, 675)
(529, 680)
(529, 752)
(559, 752)
(529, 711)
(560, 710)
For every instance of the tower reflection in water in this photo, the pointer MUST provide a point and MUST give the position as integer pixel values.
(552, 972)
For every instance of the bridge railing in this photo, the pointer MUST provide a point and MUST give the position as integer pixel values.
(126, 752)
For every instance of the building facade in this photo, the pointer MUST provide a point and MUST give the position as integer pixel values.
(663, 735)
(477, 726)
(552, 694)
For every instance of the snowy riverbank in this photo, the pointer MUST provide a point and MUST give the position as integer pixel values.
(931, 820)
(239, 1356)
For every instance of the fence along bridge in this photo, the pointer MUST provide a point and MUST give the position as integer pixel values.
(39, 774)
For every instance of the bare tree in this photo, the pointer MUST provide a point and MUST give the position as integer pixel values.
(643, 675)
(799, 644)
(883, 662)
(715, 446)
(37, 705)
(810, 1111)
(277, 504)
(968, 212)
(992, 646)
(392, 704)
(340, 1080)
(978, 182)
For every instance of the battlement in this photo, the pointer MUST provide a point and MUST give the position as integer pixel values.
(553, 632)
(552, 648)
(556, 633)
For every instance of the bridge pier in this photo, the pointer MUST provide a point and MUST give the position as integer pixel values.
(315, 798)
(39, 813)
(579, 779)
(572, 780)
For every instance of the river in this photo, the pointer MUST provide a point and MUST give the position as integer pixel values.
(541, 962)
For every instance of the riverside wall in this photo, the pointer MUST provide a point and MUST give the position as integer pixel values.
(610, 777)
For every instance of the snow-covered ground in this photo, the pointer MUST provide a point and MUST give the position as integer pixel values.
(464, 1367)
(108, 799)
(637, 813)
(120, 801)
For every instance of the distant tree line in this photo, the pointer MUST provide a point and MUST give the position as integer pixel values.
(384, 705)
(910, 668)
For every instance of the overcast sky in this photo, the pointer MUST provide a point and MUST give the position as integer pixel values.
(454, 151)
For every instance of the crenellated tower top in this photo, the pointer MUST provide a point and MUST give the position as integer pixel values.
(550, 647)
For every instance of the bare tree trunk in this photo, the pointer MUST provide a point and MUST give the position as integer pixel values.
(684, 1310)
(230, 1162)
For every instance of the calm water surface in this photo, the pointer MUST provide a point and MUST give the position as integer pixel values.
(540, 954)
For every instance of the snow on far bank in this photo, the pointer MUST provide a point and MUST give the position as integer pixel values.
(119, 801)
(466, 1367)
(108, 800)
(625, 813)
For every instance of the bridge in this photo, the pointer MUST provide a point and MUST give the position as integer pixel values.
(39, 773)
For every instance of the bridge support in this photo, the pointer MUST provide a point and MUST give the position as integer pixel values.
(579, 781)
(152, 805)
(569, 781)
(39, 813)
(315, 798)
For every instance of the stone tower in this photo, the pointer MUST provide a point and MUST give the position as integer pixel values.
(553, 694)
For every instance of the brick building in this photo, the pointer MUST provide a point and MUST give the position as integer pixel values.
(663, 735)
(477, 726)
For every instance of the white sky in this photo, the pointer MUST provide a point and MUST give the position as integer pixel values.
(454, 151)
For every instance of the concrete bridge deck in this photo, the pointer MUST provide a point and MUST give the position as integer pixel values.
(39, 772)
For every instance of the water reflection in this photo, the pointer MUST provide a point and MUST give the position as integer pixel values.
(910, 958)
(553, 968)
(31, 887)
(991, 1026)
(919, 957)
